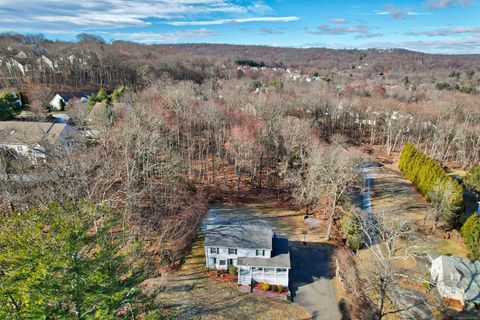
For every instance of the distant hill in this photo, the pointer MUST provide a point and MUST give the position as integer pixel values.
(29, 60)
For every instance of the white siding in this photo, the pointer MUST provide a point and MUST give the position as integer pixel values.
(263, 275)
(34, 154)
(55, 102)
(224, 255)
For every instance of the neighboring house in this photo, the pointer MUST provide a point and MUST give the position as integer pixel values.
(65, 97)
(456, 278)
(30, 139)
(259, 254)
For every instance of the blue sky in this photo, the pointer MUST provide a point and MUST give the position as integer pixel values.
(436, 26)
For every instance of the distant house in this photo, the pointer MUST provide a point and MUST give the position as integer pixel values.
(259, 254)
(31, 139)
(64, 97)
(457, 279)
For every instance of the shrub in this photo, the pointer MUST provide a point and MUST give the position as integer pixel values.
(118, 93)
(102, 95)
(280, 288)
(471, 234)
(232, 270)
(472, 179)
(276, 84)
(92, 99)
(7, 106)
(353, 236)
(426, 173)
(274, 288)
(265, 286)
(254, 85)
(442, 86)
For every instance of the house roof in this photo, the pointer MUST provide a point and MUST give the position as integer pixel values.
(30, 133)
(69, 95)
(280, 256)
(239, 236)
(469, 275)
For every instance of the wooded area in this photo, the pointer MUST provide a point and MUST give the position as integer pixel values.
(189, 124)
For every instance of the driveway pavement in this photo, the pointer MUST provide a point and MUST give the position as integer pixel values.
(311, 283)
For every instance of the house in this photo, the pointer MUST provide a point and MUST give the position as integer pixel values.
(31, 139)
(259, 254)
(457, 279)
(64, 97)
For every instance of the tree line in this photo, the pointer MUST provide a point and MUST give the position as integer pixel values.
(432, 181)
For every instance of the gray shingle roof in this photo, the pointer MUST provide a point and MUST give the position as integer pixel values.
(280, 256)
(20, 132)
(469, 272)
(69, 95)
(239, 236)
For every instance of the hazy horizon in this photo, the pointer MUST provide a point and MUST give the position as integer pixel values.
(429, 26)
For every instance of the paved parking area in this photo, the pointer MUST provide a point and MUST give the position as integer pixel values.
(311, 283)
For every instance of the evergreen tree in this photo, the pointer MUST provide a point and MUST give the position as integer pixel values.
(62, 262)
(432, 181)
(472, 179)
(471, 234)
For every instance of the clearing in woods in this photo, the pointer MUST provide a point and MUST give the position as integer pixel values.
(394, 194)
(191, 294)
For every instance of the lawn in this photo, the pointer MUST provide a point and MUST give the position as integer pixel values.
(191, 294)
(396, 195)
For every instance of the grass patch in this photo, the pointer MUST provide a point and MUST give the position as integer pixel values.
(191, 294)
(449, 247)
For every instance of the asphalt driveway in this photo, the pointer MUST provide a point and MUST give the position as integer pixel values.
(311, 283)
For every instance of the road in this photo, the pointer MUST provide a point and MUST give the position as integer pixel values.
(311, 284)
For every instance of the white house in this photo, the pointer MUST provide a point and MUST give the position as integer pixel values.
(65, 97)
(259, 254)
(456, 278)
(31, 139)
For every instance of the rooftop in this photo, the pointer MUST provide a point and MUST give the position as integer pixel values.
(239, 236)
(29, 133)
(469, 275)
(69, 95)
(280, 256)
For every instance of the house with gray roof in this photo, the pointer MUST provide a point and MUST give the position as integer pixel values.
(456, 278)
(33, 139)
(259, 254)
(61, 99)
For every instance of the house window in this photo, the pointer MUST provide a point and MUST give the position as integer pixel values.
(214, 260)
(214, 250)
(244, 271)
(230, 262)
(223, 262)
(19, 148)
(257, 271)
(260, 252)
(232, 251)
(269, 271)
(281, 272)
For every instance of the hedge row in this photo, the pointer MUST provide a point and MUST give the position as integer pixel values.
(425, 173)
(471, 234)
